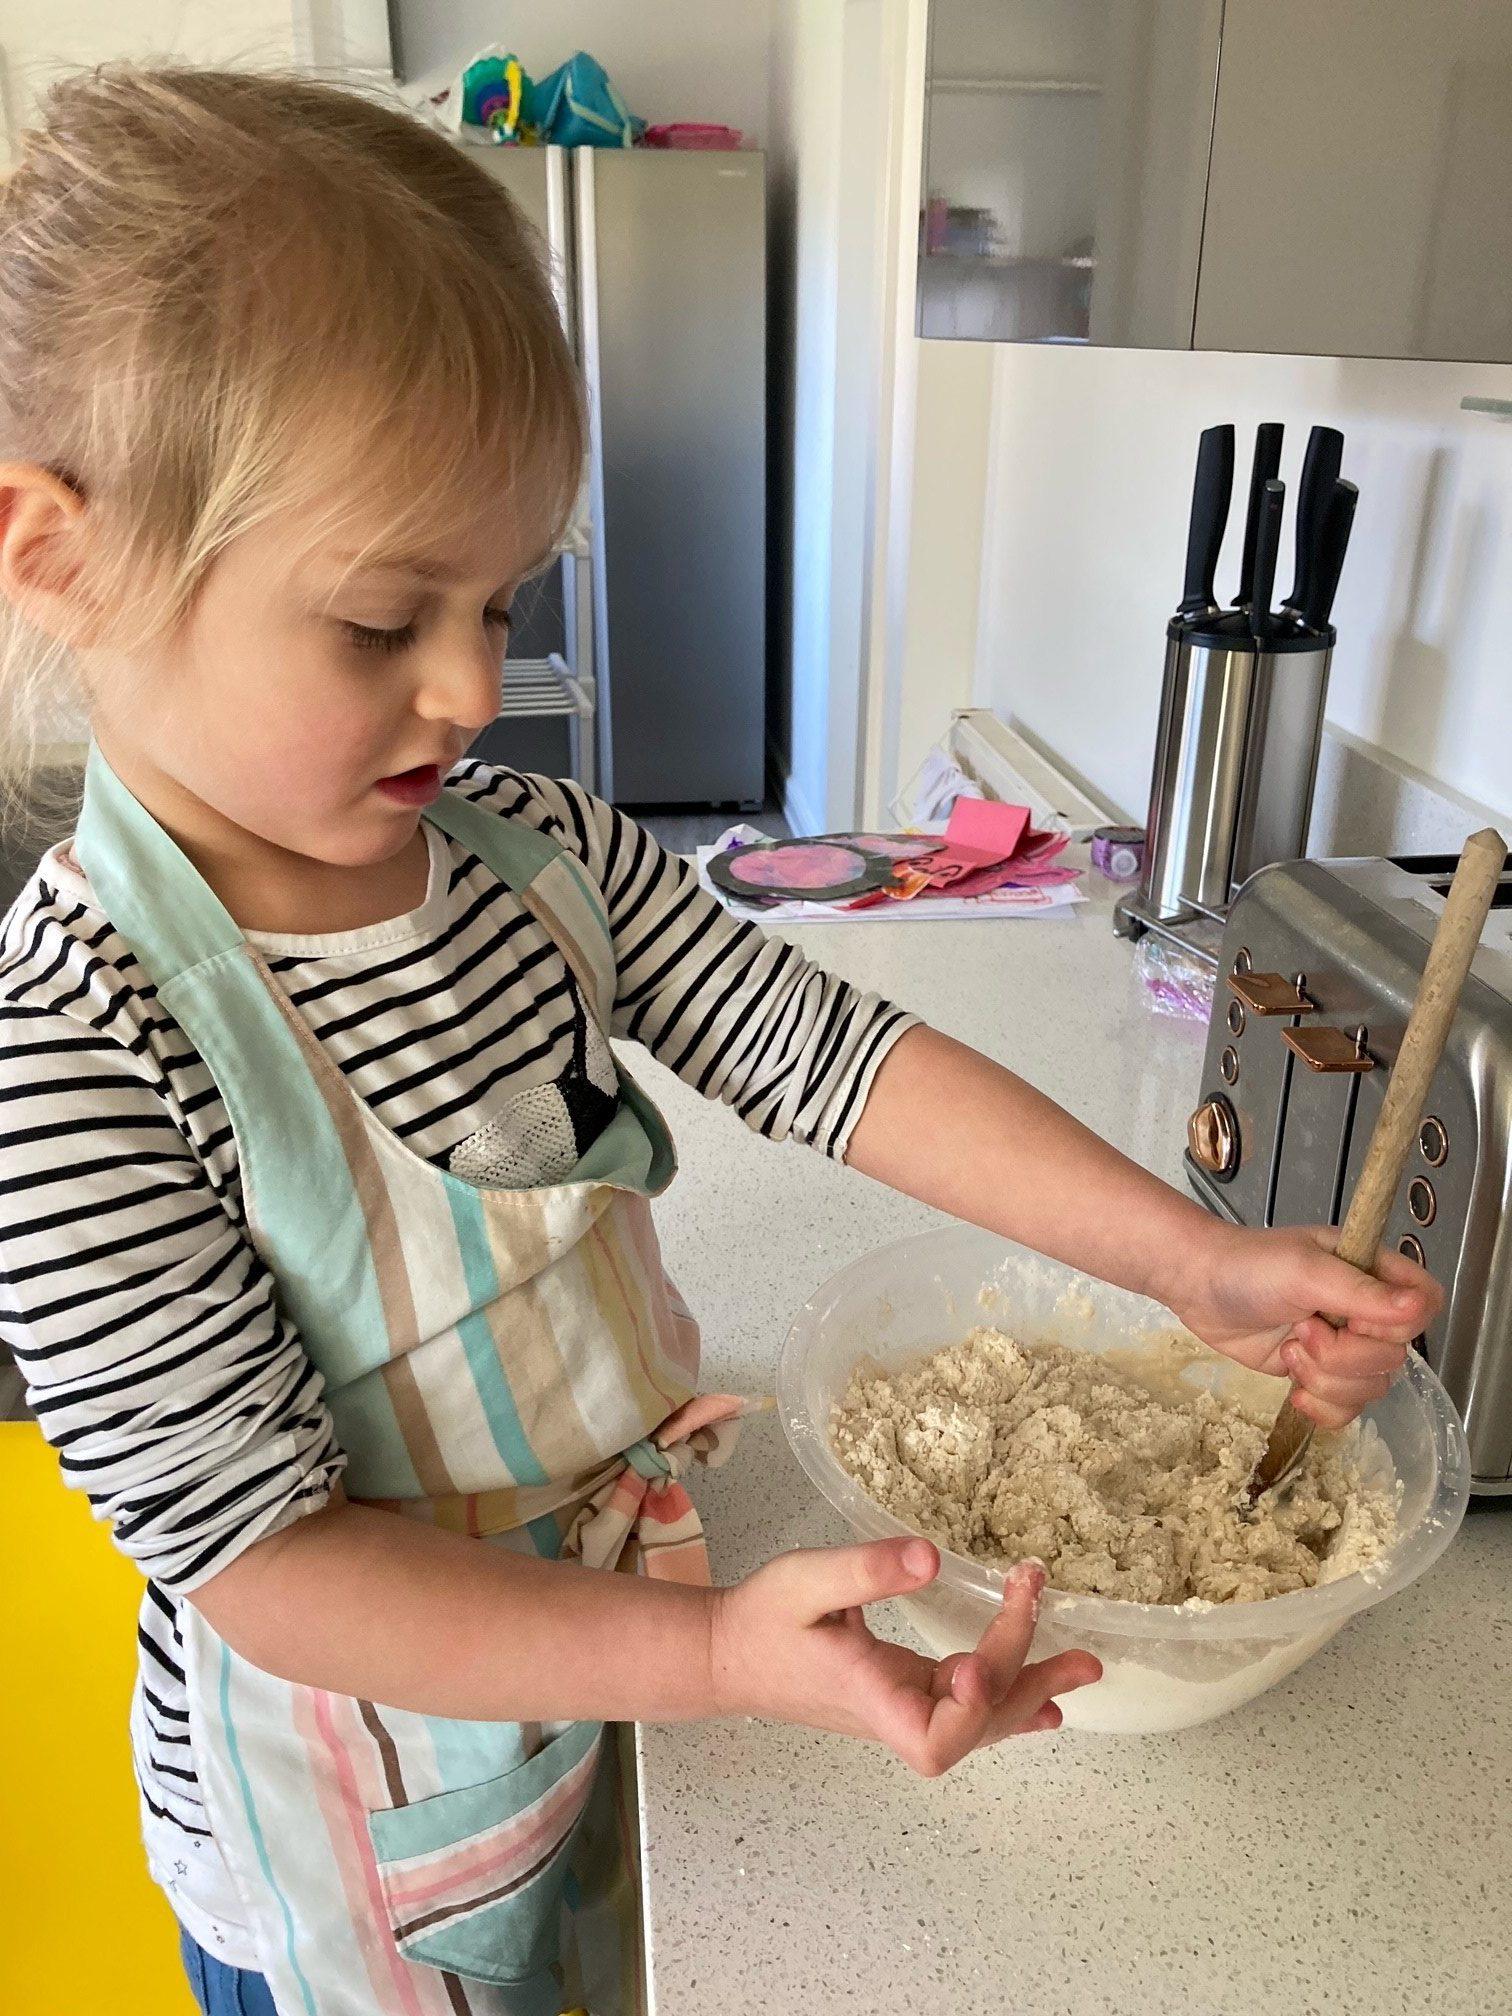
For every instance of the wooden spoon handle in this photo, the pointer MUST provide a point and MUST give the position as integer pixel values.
(1454, 943)
(1444, 974)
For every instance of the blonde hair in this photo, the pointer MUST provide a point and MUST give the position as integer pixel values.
(217, 286)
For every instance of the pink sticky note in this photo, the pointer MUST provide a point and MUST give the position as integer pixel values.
(981, 826)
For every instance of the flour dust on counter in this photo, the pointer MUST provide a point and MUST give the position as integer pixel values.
(1005, 1451)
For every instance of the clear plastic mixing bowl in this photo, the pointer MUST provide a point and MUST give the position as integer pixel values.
(1164, 1667)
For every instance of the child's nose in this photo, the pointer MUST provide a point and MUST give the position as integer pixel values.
(462, 684)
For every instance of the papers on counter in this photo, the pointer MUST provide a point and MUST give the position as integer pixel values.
(1035, 900)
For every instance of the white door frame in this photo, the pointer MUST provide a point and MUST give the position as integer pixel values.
(882, 129)
(859, 360)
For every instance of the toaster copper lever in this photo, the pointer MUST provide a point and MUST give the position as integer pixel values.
(1272, 994)
(1324, 1048)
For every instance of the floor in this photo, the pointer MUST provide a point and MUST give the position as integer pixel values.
(683, 831)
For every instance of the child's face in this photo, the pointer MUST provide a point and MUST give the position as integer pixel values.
(314, 704)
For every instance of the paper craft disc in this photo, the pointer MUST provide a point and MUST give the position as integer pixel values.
(896, 846)
(817, 871)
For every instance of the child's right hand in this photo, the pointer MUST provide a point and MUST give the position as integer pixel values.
(790, 1642)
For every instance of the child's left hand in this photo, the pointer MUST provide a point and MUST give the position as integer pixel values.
(1263, 1298)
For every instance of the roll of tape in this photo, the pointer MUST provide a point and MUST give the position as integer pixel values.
(1118, 852)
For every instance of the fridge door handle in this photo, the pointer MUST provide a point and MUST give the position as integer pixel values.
(590, 356)
(576, 561)
(559, 236)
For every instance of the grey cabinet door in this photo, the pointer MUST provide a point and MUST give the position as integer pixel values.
(1360, 196)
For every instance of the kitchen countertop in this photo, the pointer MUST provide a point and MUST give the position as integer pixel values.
(1337, 1848)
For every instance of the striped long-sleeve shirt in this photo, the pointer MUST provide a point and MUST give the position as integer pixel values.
(156, 1356)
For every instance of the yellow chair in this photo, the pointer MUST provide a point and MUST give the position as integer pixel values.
(83, 1929)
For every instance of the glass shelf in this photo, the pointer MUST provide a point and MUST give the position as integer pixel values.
(1067, 86)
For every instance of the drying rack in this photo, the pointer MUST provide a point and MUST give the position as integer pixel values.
(561, 685)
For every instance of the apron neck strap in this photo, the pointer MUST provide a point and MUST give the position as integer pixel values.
(147, 885)
(168, 913)
(515, 853)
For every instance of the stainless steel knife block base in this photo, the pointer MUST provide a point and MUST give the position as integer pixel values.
(1134, 914)
(1236, 761)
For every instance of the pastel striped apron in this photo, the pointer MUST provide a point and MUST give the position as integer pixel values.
(509, 1364)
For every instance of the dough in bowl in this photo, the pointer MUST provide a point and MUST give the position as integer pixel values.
(1123, 1488)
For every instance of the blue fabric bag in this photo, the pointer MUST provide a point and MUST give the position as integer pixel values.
(577, 106)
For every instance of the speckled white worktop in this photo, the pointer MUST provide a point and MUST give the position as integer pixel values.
(1341, 1847)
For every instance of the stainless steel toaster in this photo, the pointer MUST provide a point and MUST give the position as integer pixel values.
(1318, 967)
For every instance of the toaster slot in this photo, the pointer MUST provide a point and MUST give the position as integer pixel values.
(1501, 895)
(1369, 1092)
(1437, 870)
(1245, 1074)
(1316, 1129)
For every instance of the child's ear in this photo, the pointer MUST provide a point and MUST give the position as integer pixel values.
(42, 541)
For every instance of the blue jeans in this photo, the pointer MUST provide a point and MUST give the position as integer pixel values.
(221, 1990)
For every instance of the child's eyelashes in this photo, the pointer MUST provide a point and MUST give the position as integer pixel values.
(374, 637)
(368, 638)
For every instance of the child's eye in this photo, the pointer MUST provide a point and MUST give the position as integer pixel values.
(367, 638)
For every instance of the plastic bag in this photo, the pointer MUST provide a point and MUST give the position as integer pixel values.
(577, 106)
(492, 99)
(931, 792)
(493, 96)
(1177, 982)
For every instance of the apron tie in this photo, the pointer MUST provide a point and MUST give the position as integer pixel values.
(641, 1517)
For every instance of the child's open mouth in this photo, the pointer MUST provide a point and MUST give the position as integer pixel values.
(413, 787)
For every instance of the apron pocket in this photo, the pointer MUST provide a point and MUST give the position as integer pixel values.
(473, 1878)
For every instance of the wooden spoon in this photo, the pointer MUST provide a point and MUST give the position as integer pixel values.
(1448, 965)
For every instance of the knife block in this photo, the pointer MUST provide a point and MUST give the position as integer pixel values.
(1236, 762)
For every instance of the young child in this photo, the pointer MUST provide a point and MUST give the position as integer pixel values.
(324, 1200)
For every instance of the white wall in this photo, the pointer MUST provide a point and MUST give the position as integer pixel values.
(38, 41)
(669, 59)
(953, 394)
(1083, 533)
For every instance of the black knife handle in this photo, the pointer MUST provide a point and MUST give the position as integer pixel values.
(1266, 465)
(1210, 503)
(1320, 472)
(1331, 546)
(1267, 546)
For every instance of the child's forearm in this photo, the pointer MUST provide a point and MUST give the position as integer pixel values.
(945, 1124)
(369, 1604)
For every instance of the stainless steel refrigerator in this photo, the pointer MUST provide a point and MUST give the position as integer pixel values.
(655, 631)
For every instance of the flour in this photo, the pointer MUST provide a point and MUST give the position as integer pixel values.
(1122, 1486)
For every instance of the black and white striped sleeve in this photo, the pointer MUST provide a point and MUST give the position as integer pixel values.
(141, 1317)
(741, 1016)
